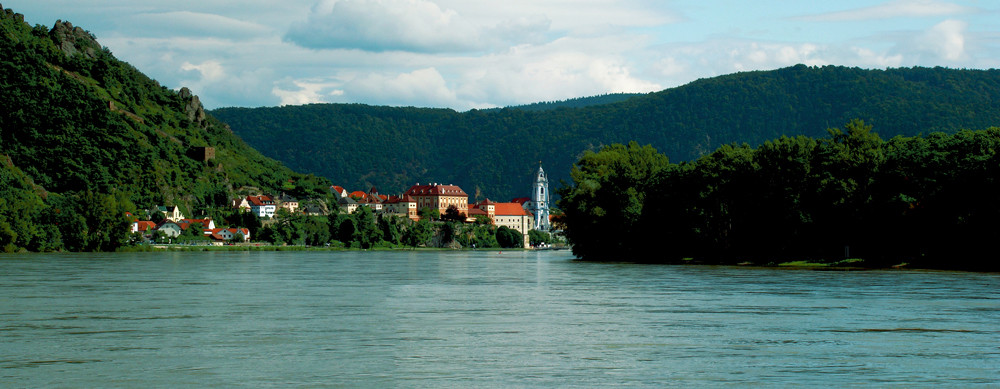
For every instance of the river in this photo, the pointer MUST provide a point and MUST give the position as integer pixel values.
(483, 319)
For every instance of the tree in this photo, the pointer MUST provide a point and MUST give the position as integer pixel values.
(447, 232)
(289, 228)
(389, 226)
(194, 231)
(347, 231)
(367, 234)
(266, 234)
(333, 221)
(509, 238)
(156, 216)
(317, 232)
(483, 219)
(452, 214)
(485, 236)
(108, 226)
(418, 233)
(537, 237)
(605, 207)
(428, 213)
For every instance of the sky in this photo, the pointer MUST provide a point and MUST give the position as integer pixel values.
(466, 54)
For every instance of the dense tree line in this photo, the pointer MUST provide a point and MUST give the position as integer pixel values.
(364, 229)
(924, 200)
(85, 137)
(392, 148)
(578, 102)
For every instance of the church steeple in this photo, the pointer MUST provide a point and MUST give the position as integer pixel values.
(540, 199)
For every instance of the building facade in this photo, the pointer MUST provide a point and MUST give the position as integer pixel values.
(439, 197)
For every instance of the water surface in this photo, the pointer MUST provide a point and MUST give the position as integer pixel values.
(483, 319)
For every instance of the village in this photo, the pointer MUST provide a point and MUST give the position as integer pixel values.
(420, 201)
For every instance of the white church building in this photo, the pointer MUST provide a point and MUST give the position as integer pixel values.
(538, 204)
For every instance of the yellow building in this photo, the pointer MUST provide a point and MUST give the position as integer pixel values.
(439, 197)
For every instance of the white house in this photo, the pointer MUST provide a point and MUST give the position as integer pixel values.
(262, 206)
(227, 234)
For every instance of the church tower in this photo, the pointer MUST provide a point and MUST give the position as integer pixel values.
(540, 200)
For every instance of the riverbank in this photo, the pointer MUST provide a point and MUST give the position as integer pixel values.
(267, 247)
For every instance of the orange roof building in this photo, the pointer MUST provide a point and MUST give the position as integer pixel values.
(400, 205)
(510, 215)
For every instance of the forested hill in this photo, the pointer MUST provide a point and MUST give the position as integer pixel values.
(85, 137)
(578, 102)
(496, 151)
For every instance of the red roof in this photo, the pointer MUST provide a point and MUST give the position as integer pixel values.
(260, 200)
(399, 199)
(521, 200)
(477, 211)
(185, 223)
(436, 190)
(215, 232)
(359, 194)
(146, 225)
(370, 200)
(510, 209)
(338, 189)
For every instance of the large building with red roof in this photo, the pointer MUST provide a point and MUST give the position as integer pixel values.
(439, 197)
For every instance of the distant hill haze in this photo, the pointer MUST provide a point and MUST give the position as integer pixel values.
(495, 152)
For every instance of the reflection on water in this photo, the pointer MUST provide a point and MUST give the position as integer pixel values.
(473, 319)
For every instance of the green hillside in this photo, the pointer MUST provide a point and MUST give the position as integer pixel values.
(85, 137)
(496, 151)
(578, 102)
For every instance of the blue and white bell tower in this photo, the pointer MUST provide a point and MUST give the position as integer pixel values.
(540, 200)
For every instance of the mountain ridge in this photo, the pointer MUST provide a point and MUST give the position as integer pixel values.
(496, 151)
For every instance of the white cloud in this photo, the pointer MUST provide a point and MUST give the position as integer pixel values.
(422, 87)
(759, 56)
(380, 25)
(306, 92)
(195, 24)
(210, 71)
(579, 16)
(471, 54)
(870, 58)
(530, 74)
(242, 87)
(946, 39)
(895, 9)
(671, 66)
